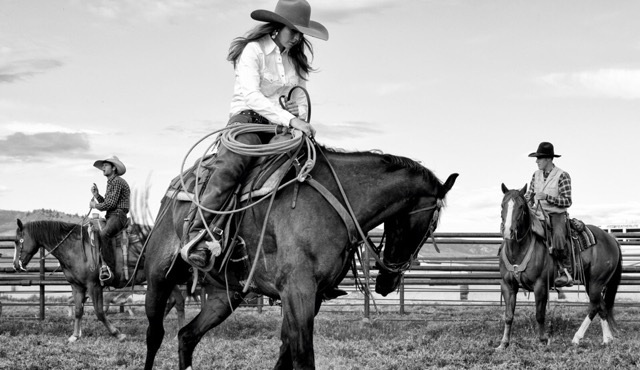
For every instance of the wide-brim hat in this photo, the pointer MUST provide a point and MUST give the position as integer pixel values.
(295, 14)
(114, 161)
(545, 150)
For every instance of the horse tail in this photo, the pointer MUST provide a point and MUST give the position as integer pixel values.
(612, 290)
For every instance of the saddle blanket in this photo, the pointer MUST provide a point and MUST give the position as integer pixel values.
(582, 236)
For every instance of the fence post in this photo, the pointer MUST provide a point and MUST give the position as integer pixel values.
(402, 295)
(41, 283)
(365, 259)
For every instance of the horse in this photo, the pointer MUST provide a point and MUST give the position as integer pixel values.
(525, 262)
(71, 244)
(307, 246)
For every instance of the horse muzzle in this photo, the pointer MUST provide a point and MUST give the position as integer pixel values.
(17, 266)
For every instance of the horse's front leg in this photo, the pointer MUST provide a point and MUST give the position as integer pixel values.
(298, 294)
(216, 309)
(541, 294)
(155, 301)
(79, 297)
(509, 292)
(98, 305)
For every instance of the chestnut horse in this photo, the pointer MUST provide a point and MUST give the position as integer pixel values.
(70, 243)
(307, 246)
(526, 262)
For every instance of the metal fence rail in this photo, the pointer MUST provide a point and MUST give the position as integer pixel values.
(448, 272)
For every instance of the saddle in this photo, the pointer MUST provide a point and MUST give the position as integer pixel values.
(128, 249)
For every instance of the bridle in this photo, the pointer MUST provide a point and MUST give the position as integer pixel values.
(20, 245)
(519, 221)
(400, 267)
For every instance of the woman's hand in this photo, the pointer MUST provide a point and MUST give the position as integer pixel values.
(303, 126)
(292, 107)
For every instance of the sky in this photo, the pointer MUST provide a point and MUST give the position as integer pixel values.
(465, 86)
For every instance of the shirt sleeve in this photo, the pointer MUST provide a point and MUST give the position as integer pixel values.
(301, 100)
(564, 192)
(529, 194)
(110, 200)
(248, 76)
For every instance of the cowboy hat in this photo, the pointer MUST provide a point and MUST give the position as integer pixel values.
(114, 161)
(295, 14)
(545, 150)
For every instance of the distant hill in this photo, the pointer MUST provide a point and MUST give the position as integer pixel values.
(8, 218)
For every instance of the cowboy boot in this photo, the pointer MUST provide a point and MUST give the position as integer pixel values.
(106, 270)
(229, 168)
(564, 278)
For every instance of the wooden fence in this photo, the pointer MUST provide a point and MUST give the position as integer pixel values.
(468, 259)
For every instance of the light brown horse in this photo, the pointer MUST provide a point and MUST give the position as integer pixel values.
(307, 247)
(526, 262)
(71, 245)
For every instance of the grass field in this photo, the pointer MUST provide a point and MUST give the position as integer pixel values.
(426, 338)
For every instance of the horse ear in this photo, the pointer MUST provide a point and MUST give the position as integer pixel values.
(19, 224)
(523, 191)
(504, 189)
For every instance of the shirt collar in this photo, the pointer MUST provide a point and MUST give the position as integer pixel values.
(270, 46)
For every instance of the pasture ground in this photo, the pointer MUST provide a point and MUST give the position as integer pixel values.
(430, 337)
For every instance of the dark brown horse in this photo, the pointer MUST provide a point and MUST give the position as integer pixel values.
(307, 248)
(71, 244)
(525, 261)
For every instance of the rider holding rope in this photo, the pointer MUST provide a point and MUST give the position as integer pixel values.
(551, 190)
(268, 63)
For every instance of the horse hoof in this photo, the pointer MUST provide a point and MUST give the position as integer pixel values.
(72, 339)
(545, 341)
(121, 337)
(502, 346)
(575, 341)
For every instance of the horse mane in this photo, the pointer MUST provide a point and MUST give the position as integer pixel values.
(394, 163)
(51, 232)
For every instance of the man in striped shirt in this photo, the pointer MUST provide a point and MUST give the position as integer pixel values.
(550, 190)
(116, 203)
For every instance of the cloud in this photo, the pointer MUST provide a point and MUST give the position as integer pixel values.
(43, 145)
(23, 69)
(155, 10)
(610, 83)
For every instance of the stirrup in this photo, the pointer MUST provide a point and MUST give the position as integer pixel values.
(213, 246)
(105, 274)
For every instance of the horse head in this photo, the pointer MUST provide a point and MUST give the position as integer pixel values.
(516, 221)
(25, 248)
(405, 233)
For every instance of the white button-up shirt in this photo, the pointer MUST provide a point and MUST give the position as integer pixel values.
(263, 74)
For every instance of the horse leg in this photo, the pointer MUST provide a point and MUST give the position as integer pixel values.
(155, 301)
(179, 303)
(216, 309)
(299, 308)
(98, 306)
(509, 292)
(541, 292)
(79, 297)
(595, 307)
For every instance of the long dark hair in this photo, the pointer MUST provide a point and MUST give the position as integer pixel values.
(297, 52)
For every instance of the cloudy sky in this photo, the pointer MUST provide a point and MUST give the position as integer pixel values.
(465, 86)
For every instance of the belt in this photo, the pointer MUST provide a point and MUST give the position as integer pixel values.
(256, 117)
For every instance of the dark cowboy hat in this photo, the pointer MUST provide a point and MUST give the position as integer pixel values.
(114, 161)
(295, 14)
(545, 150)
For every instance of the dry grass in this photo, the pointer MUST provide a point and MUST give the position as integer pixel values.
(430, 337)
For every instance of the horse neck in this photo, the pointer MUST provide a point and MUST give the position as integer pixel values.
(374, 193)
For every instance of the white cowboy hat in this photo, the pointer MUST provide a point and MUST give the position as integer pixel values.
(295, 14)
(114, 161)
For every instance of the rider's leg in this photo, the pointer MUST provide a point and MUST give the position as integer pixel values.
(116, 222)
(228, 168)
(559, 224)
